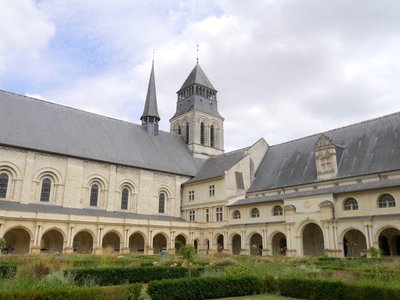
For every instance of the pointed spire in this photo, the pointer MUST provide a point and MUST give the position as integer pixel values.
(197, 76)
(150, 107)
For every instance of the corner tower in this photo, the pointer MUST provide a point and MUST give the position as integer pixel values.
(150, 116)
(197, 118)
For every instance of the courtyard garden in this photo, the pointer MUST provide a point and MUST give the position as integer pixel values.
(187, 276)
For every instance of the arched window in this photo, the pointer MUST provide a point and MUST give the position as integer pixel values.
(277, 211)
(94, 194)
(187, 133)
(179, 130)
(212, 138)
(236, 214)
(350, 204)
(255, 213)
(124, 198)
(161, 203)
(386, 200)
(202, 133)
(45, 191)
(3, 185)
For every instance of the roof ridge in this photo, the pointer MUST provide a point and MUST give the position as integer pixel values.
(339, 128)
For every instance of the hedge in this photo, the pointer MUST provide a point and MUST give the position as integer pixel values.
(121, 292)
(204, 287)
(115, 276)
(304, 288)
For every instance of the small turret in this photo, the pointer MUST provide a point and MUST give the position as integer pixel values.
(150, 116)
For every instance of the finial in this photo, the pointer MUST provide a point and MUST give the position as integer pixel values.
(154, 52)
(197, 59)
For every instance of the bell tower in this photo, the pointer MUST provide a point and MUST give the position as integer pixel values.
(197, 118)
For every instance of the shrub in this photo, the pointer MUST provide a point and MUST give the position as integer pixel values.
(204, 288)
(122, 292)
(8, 269)
(114, 276)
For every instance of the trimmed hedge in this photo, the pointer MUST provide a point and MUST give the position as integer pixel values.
(304, 288)
(115, 276)
(204, 287)
(121, 292)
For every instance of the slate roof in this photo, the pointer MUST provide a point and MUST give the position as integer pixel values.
(368, 147)
(216, 166)
(40, 125)
(372, 185)
(150, 107)
(197, 76)
(46, 208)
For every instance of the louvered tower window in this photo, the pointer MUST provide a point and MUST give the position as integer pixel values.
(212, 138)
(202, 133)
(187, 133)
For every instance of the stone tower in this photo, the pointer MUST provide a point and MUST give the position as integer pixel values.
(197, 118)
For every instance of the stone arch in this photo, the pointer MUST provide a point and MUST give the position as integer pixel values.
(180, 240)
(236, 244)
(256, 244)
(160, 241)
(13, 173)
(48, 172)
(219, 241)
(131, 197)
(102, 184)
(389, 241)
(53, 177)
(354, 243)
(18, 240)
(52, 241)
(83, 242)
(111, 241)
(313, 239)
(279, 243)
(13, 169)
(137, 242)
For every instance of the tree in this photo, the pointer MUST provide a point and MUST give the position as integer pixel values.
(188, 253)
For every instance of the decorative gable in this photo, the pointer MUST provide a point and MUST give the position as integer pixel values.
(325, 158)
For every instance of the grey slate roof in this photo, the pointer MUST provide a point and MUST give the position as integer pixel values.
(44, 126)
(368, 147)
(217, 165)
(372, 185)
(46, 208)
(150, 107)
(197, 76)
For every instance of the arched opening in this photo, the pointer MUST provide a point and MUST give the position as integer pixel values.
(212, 137)
(202, 133)
(159, 243)
(236, 244)
(83, 242)
(220, 243)
(3, 185)
(124, 198)
(111, 242)
(187, 133)
(180, 240)
(45, 191)
(136, 243)
(207, 242)
(17, 241)
(52, 241)
(313, 240)
(161, 203)
(389, 242)
(196, 245)
(279, 244)
(94, 195)
(256, 244)
(354, 244)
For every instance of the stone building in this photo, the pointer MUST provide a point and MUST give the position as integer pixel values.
(73, 181)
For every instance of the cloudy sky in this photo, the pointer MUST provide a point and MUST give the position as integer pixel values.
(284, 69)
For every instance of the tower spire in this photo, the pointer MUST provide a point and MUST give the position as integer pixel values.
(197, 58)
(150, 116)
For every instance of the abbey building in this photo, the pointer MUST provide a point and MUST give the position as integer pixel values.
(73, 181)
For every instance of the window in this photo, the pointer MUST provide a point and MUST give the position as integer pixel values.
(179, 130)
(192, 215)
(3, 185)
(277, 211)
(212, 190)
(255, 213)
(94, 194)
(202, 133)
(124, 198)
(386, 200)
(236, 214)
(187, 133)
(191, 195)
(218, 211)
(350, 204)
(212, 138)
(207, 214)
(161, 203)
(45, 192)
